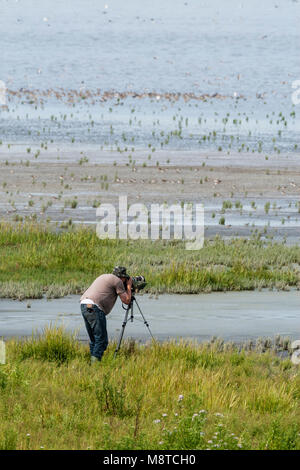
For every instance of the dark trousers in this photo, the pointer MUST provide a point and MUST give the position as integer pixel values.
(95, 323)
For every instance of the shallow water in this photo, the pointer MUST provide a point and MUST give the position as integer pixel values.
(248, 52)
(236, 316)
(170, 45)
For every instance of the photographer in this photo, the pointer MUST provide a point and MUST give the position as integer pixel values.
(97, 302)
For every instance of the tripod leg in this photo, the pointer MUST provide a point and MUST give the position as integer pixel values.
(122, 331)
(146, 323)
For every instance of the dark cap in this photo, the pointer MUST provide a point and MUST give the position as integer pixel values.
(120, 271)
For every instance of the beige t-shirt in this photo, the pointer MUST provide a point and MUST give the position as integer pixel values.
(104, 291)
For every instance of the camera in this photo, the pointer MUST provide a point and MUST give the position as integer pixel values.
(138, 283)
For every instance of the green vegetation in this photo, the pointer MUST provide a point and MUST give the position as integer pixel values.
(155, 396)
(35, 260)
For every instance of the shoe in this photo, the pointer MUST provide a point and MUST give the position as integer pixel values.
(95, 359)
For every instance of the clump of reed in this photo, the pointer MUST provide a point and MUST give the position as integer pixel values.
(21, 290)
(51, 344)
(278, 344)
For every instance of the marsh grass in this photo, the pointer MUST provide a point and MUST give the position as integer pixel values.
(151, 396)
(52, 345)
(37, 261)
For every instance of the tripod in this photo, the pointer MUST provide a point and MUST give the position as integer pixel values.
(126, 320)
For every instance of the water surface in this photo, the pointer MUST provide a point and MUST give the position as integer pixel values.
(236, 316)
(246, 52)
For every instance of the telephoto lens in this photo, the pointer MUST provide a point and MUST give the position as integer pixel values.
(138, 283)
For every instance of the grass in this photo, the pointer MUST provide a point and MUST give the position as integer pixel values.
(35, 260)
(154, 396)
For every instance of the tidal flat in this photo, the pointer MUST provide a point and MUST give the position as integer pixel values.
(238, 200)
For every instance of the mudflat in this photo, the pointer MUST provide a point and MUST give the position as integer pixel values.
(262, 193)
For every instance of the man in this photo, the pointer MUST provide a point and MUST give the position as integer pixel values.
(97, 302)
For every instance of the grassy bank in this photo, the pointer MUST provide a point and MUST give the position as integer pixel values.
(155, 396)
(35, 260)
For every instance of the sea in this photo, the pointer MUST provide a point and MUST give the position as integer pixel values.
(219, 75)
